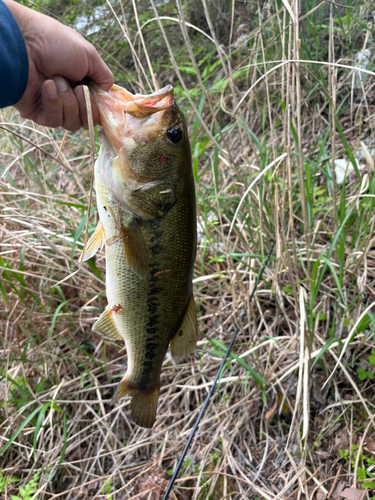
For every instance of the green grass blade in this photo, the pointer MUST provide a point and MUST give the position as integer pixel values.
(21, 427)
(38, 424)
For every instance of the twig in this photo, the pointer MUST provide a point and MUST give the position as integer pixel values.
(248, 463)
(303, 484)
(334, 482)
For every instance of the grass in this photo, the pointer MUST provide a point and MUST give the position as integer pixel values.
(265, 130)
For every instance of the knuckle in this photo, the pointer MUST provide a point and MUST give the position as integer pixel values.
(73, 127)
(91, 50)
(50, 121)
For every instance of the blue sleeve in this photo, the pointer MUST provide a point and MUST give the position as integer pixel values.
(14, 62)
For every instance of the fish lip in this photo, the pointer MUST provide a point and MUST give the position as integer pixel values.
(138, 105)
(159, 100)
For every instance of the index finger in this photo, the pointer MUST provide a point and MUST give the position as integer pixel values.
(98, 70)
(82, 107)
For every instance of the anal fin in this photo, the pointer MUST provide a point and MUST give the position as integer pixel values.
(136, 252)
(144, 402)
(95, 242)
(105, 326)
(186, 337)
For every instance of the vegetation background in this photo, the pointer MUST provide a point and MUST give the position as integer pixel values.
(280, 97)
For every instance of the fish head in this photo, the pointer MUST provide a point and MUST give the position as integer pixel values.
(148, 138)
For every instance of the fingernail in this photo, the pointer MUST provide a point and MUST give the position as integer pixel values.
(61, 83)
(50, 89)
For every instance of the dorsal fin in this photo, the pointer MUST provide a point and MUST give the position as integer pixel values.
(187, 335)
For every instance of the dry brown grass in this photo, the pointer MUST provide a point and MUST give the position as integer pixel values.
(272, 126)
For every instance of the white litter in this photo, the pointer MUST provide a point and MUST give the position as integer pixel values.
(362, 61)
(343, 168)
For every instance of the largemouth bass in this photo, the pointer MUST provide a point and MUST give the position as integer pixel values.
(146, 202)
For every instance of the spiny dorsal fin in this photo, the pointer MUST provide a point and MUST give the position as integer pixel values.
(187, 335)
(95, 242)
(105, 326)
(136, 252)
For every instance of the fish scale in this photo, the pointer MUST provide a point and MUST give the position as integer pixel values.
(146, 202)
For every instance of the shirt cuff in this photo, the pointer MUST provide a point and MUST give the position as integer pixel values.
(14, 61)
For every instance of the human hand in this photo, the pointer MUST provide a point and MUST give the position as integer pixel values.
(58, 58)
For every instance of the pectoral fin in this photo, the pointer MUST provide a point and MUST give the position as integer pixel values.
(187, 335)
(95, 242)
(152, 199)
(105, 326)
(136, 252)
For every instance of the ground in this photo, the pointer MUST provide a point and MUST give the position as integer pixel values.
(292, 416)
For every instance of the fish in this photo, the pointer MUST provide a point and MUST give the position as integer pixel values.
(145, 196)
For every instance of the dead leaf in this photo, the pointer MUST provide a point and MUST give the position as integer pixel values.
(272, 410)
(154, 483)
(370, 445)
(352, 494)
(341, 440)
(337, 491)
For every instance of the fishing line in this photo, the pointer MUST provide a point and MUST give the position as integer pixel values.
(205, 404)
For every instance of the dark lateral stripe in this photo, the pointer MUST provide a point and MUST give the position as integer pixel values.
(150, 350)
(145, 381)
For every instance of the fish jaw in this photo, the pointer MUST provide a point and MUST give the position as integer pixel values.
(124, 115)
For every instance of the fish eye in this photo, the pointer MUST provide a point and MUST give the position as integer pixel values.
(174, 135)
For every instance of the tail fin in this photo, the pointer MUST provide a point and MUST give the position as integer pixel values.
(144, 402)
(144, 405)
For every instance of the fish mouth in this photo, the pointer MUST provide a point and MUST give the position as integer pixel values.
(135, 116)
